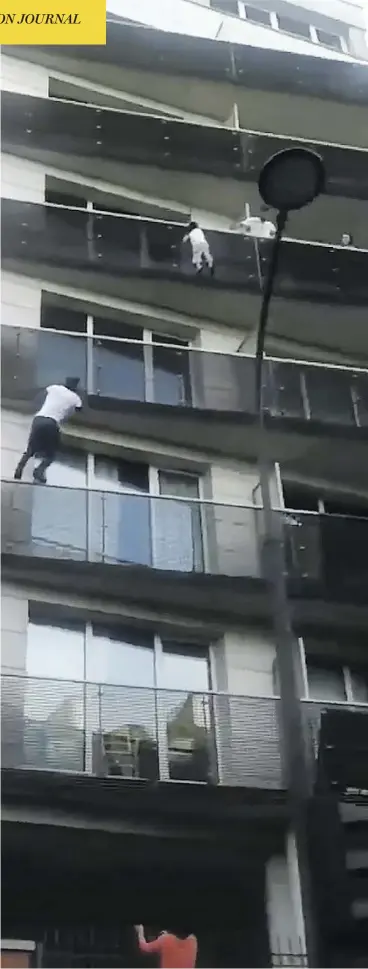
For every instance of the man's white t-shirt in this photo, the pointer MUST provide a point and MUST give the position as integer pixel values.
(60, 403)
(196, 237)
(253, 226)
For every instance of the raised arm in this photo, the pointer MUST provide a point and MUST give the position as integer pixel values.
(154, 946)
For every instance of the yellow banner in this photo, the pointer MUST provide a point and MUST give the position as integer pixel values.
(38, 22)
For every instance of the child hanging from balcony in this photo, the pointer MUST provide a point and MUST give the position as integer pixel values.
(60, 403)
(200, 248)
(176, 950)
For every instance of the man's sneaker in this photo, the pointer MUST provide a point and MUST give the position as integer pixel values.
(39, 476)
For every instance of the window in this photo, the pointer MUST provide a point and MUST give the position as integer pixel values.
(110, 509)
(59, 514)
(325, 682)
(54, 713)
(60, 355)
(100, 700)
(329, 40)
(55, 651)
(127, 361)
(64, 197)
(178, 525)
(120, 656)
(291, 26)
(256, 15)
(118, 367)
(184, 667)
(225, 6)
(333, 680)
(171, 377)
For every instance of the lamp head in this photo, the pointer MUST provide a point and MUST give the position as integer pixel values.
(291, 179)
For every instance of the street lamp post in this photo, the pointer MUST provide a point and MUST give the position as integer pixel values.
(290, 180)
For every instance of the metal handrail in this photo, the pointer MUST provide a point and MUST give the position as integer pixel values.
(182, 225)
(236, 354)
(287, 513)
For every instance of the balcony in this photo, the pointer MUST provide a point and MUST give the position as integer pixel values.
(190, 554)
(326, 556)
(156, 63)
(195, 398)
(338, 736)
(109, 253)
(49, 130)
(141, 734)
(197, 555)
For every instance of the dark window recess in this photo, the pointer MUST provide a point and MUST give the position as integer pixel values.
(65, 198)
(257, 16)
(328, 40)
(291, 26)
(130, 474)
(225, 6)
(114, 209)
(298, 497)
(333, 506)
(62, 318)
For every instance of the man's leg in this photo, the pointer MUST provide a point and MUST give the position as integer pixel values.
(29, 453)
(48, 452)
(207, 254)
(197, 257)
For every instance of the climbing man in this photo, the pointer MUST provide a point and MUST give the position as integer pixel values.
(60, 403)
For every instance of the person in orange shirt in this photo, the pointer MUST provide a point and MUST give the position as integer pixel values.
(176, 949)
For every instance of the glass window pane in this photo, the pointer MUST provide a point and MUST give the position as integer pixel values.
(120, 522)
(120, 656)
(171, 376)
(328, 39)
(55, 651)
(326, 683)
(177, 531)
(118, 367)
(291, 26)
(59, 514)
(257, 16)
(183, 668)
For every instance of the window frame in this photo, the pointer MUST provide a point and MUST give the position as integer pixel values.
(343, 667)
(243, 4)
(291, 33)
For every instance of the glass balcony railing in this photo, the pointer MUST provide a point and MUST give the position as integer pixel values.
(140, 733)
(129, 528)
(74, 239)
(325, 555)
(337, 737)
(68, 127)
(117, 370)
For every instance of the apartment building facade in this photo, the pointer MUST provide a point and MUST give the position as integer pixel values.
(143, 766)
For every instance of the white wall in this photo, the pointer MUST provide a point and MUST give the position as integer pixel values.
(22, 76)
(283, 902)
(20, 300)
(22, 179)
(250, 656)
(14, 434)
